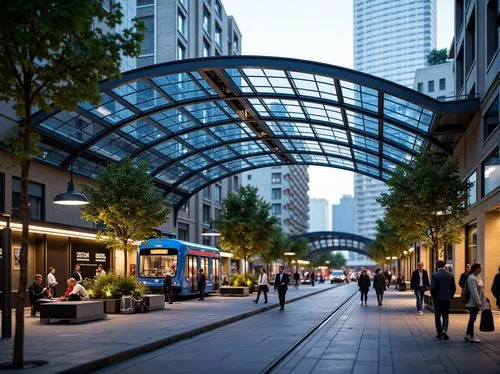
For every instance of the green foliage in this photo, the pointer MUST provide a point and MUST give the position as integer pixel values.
(123, 197)
(112, 286)
(278, 245)
(245, 223)
(437, 56)
(427, 201)
(336, 260)
(388, 241)
(238, 280)
(300, 247)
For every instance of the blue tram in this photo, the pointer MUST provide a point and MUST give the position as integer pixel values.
(155, 257)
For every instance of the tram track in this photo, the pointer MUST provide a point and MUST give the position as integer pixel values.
(300, 343)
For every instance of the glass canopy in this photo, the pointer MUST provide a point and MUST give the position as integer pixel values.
(326, 241)
(198, 121)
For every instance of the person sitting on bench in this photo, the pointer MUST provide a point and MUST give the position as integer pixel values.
(77, 293)
(37, 292)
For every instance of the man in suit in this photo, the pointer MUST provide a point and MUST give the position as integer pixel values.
(76, 275)
(202, 281)
(419, 284)
(442, 291)
(464, 276)
(281, 284)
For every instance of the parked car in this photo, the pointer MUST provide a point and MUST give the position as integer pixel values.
(337, 276)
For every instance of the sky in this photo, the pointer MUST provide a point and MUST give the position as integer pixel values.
(317, 30)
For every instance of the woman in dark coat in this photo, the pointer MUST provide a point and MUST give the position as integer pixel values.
(379, 285)
(364, 285)
(495, 288)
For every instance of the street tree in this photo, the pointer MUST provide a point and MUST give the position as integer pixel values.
(328, 259)
(53, 54)
(278, 245)
(124, 199)
(437, 56)
(300, 248)
(245, 223)
(427, 201)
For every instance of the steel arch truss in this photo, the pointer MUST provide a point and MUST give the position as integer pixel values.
(198, 121)
(327, 241)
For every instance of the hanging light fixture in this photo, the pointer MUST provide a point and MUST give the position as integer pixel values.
(71, 197)
(211, 231)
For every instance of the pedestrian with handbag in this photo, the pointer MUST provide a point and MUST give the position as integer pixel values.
(263, 286)
(476, 300)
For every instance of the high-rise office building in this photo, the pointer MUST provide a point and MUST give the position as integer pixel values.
(319, 215)
(344, 215)
(391, 41)
(285, 188)
(181, 29)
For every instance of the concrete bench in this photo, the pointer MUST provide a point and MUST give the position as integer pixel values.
(72, 311)
(154, 301)
(456, 306)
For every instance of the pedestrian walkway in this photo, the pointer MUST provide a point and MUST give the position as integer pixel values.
(67, 346)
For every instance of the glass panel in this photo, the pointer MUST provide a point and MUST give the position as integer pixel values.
(491, 172)
(143, 131)
(472, 189)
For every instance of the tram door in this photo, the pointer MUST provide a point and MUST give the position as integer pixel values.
(191, 272)
(206, 269)
(216, 272)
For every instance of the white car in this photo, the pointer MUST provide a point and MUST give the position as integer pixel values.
(337, 276)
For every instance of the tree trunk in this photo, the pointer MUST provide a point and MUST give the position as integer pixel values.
(125, 258)
(435, 253)
(18, 355)
(245, 267)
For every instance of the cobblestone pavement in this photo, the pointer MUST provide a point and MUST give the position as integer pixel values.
(66, 346)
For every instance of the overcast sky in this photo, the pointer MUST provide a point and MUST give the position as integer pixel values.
(318, 30)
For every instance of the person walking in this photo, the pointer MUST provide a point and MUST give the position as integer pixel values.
(296, 279)
(419, 284)
(379, 285)
(312, 276)
(202, 282)
(263, 287)
(463, 277)
(477, 300)
(52, 281)
(167, 287)
(442, 291)
(76, 274)
(281, 285)
(495, 288)
(364, 285)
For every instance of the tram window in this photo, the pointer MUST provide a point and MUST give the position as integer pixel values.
(204, 265)
(157, 265)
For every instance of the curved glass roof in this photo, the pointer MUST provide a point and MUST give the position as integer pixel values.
(327, 241)
(201, 120)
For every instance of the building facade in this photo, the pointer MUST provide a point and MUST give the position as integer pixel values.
(285, 188)
(182, 29)
(344, 215)
(319, 215)
(437, 81)
(391, 41)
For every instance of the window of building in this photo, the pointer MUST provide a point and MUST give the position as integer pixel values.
(490, 119)
(218, 193)
(145, 2)
(491, 30)
(275, 178)
(472, 189)
(236, 183)
(470, 43)
(420, 86)
(430, 86)
(206, 214)
(491, 172)
(181, 52)
(217, 212)
(442, 84)
(2, 193)
(249, 177)
(218, 8)
(183, 231)
(471, 244)
(145, 61)
(148, 43)
(206, 20)
(206, 49)
(184, 3)
(218, 35)
(206, 193)
(276, 193)
(236, 43)
(36, 199)
(206, 239)
(182, 24)
(276, 209)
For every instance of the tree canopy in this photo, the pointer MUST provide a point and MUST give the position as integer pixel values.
(54, 53)
(427, 201)
(245, 223)
(388, 242)
(278, 245)
(123, 198)
(329, 259)
(437, 56)
(300, 248)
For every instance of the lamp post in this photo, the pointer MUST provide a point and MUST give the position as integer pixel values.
(71, 196)
(211, 231)
(289, 254)
(6, 244)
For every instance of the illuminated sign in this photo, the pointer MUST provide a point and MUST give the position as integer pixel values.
(159, 251)
(82, 256)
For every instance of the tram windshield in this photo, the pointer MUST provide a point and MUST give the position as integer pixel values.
(157, 266)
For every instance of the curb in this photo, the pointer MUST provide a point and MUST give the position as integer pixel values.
(115, 358)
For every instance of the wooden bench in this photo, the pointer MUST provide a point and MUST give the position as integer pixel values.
(72, 311)
(154, 301)
(456, 306)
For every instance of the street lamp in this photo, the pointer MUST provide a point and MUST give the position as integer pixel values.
(289, 254)
(71, 197)
(211, 231)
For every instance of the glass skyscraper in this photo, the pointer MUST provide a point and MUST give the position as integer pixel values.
(391, 41)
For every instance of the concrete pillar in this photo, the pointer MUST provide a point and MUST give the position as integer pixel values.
(489, 242)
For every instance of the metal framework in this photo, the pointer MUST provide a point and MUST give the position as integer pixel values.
(201, 120)
(327, 241)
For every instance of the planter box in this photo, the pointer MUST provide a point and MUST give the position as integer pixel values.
(456, 305)
(155, 301)
(72, 311)
(112, 306)
(234, 291)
